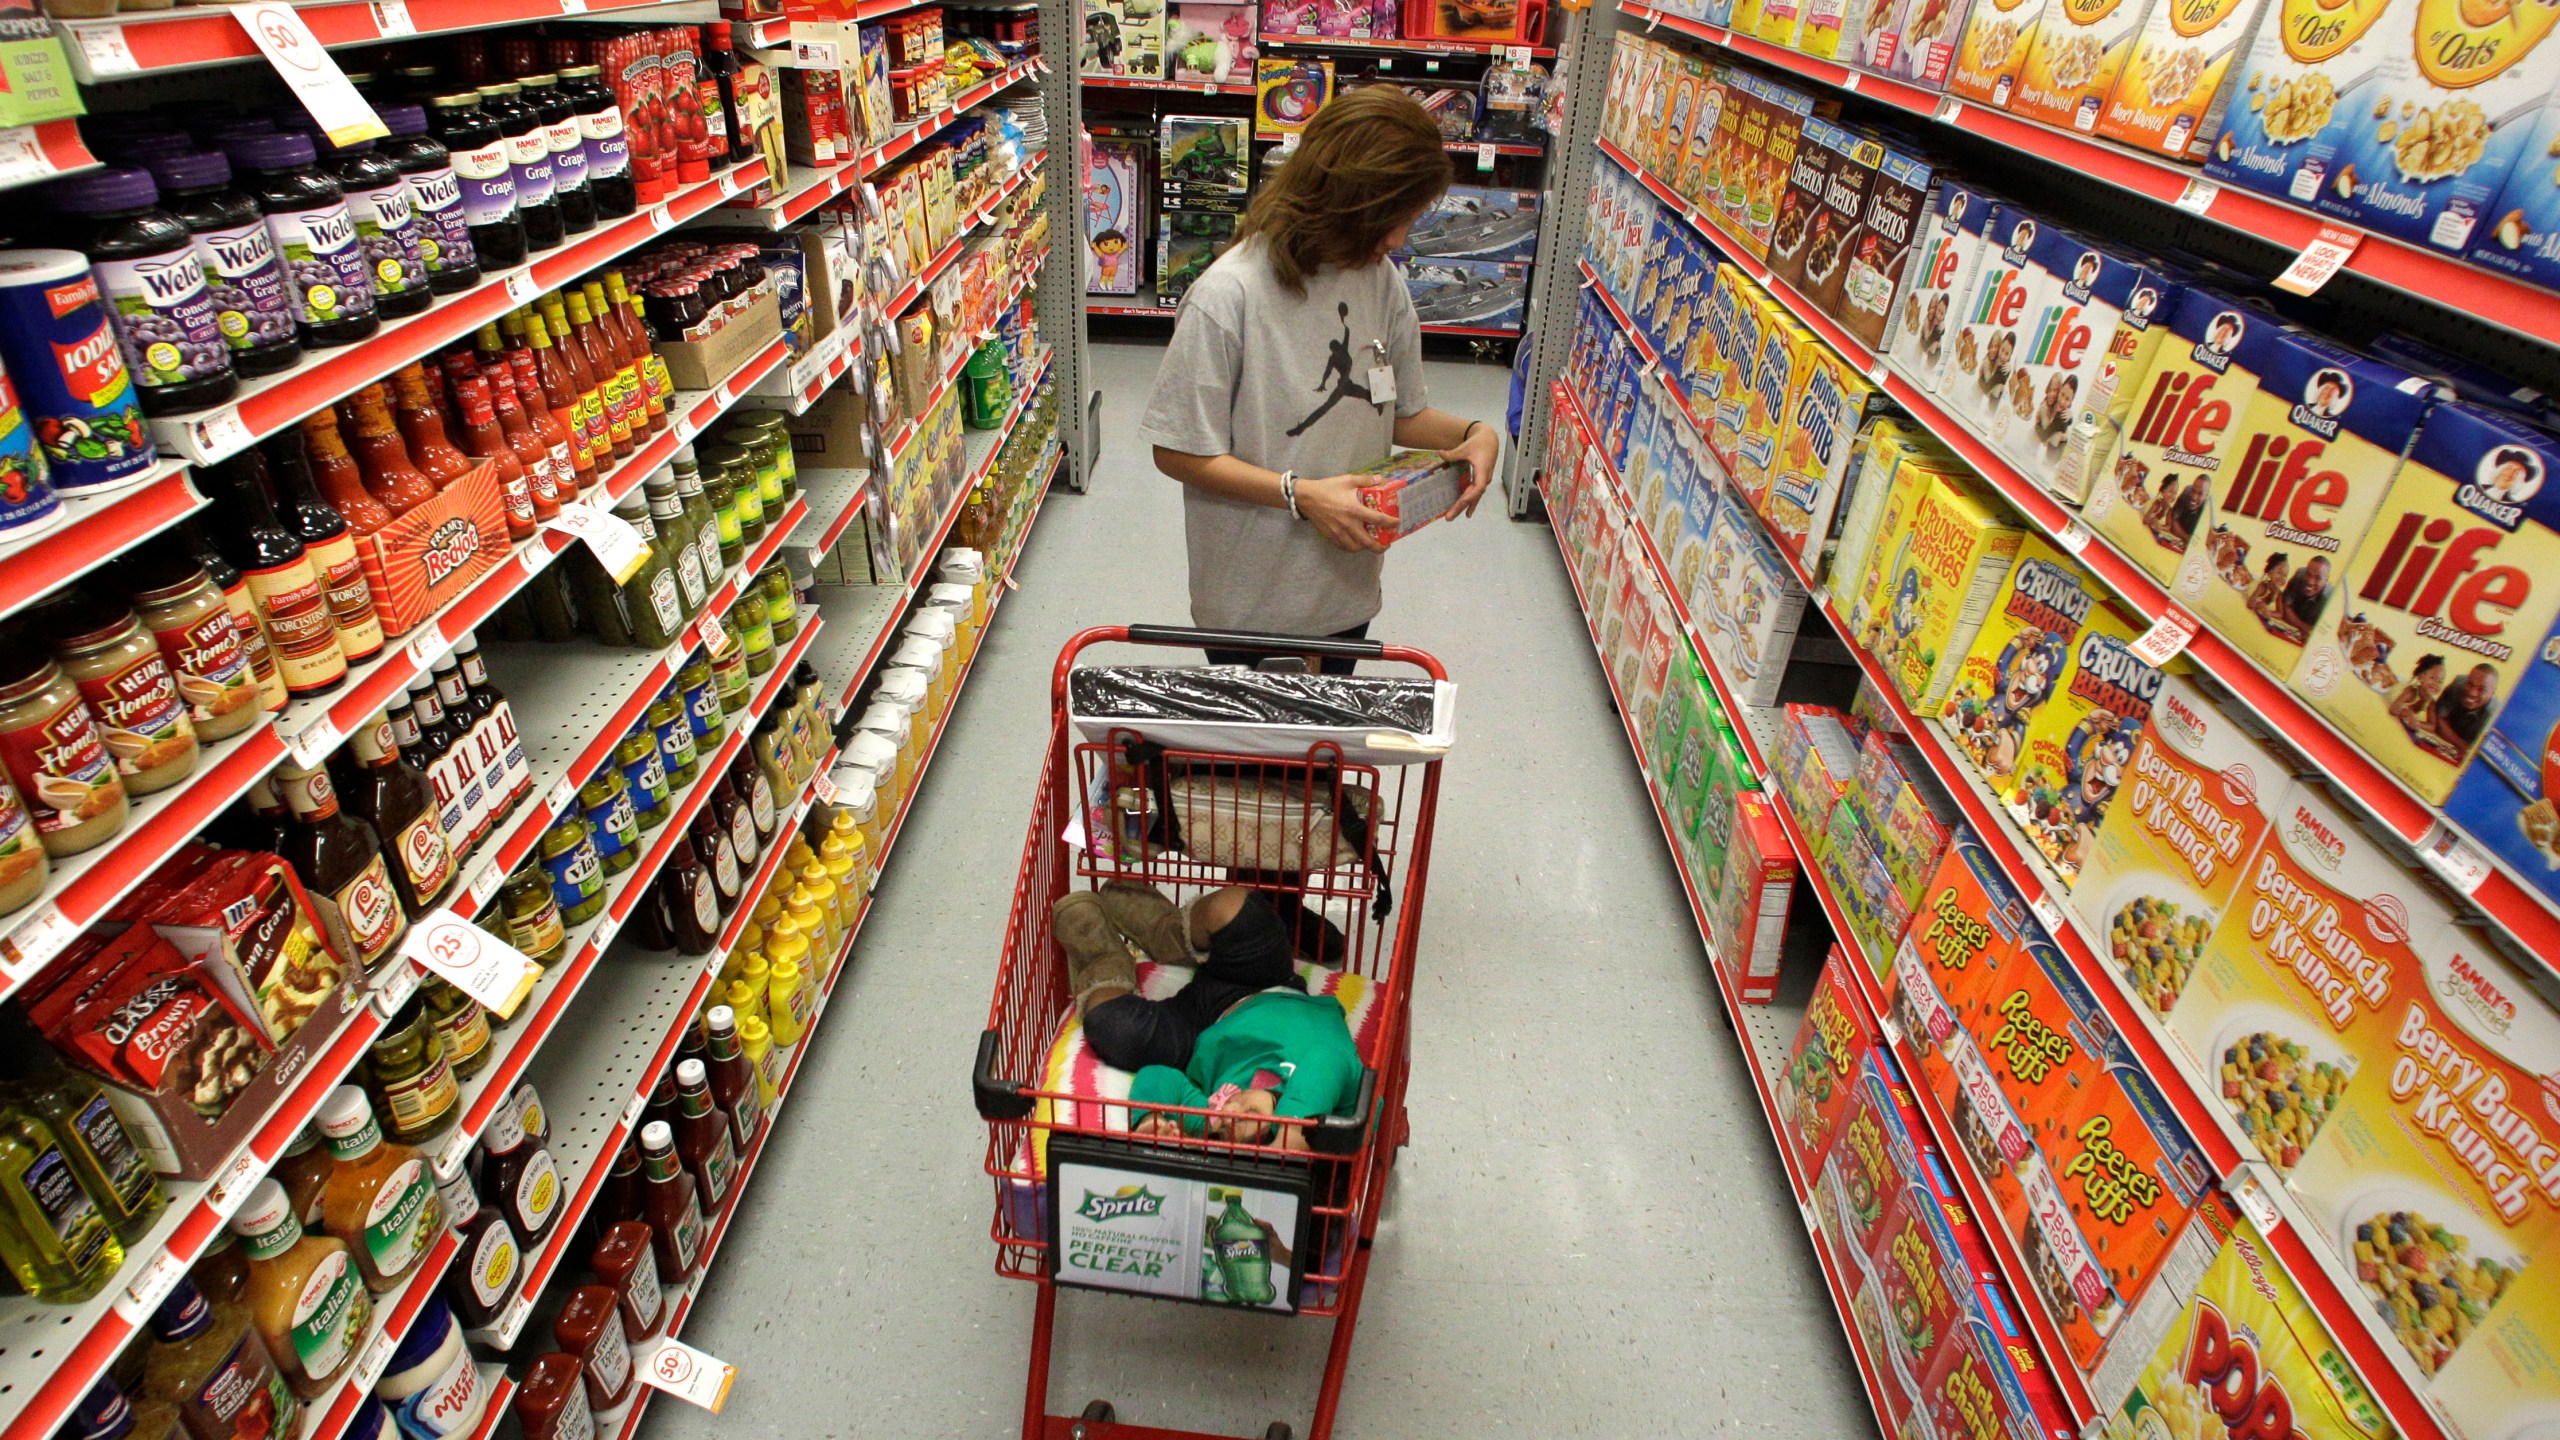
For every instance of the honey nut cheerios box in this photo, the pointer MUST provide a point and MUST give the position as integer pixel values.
(2447, 600)
(2017, 658)
(1995, 321)
(2072, 763)
(2310, 65)
(2178, 80)
(2185, 419)
(1946, 257)
(2247, 1351)
(2198, 796)
(1997, 36)
(2071, 67)
(2301, 480)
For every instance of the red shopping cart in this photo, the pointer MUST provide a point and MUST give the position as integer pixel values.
(1334, 825)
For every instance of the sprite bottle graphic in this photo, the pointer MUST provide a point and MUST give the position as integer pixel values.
(1243, 1251)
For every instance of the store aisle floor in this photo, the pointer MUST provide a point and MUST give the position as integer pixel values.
(1590, 1233)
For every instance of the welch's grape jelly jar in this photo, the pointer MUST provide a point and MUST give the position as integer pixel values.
(153, 282)
(70, 373)
(435, 195)
(240, 261)
(333, 295)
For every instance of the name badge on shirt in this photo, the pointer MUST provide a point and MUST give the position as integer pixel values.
(1382, 385)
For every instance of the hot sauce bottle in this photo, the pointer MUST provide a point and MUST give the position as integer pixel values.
(626, 302)
(592, 428)
(622, 1261)
(401, 806)
(589, 1326)
(422, 426)
(559, 394)
(483, 440)
(383, 455)
(613, 386)
(326, 539)
(540, 465)
(552, 1402)
(626, 357)
(571, 467)
(340, 861)
(675, 1221)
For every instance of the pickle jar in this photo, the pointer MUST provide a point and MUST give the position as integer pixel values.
(533, 914)
(730, 677)
(605, 804)
(777, 426)
(577, 872)
(673, 726)
(751, 624)
(61, 768)
(736, 468)
(762, 462)
(644, 776)
(462, 1027)
(702, 704)
(723, 499)
(409, 1078)
(142, 719)
(781, 607)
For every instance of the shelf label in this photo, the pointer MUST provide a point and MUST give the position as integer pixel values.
(159, 1276)
(2327, 254)
(485, 884)
(308, 71)
(1950, 110)
(370, 1360)
(824, 786)
(317, 742)
(613, 540)
(1878, 372)
(2166, 639)
(2049, 913)
(22, 156)
(1892, 1029)
(2074, 537)
(395, 990)
(533, 557)
(429, 646)
(391, 17)
(472, 960)
(573, 7)
(715, 640)
(230, 1189)
(631, 1116)
(1812, 1222)
(2199, 195)
(560, 796)
(220, 434)
(457, 1148)
(1484, 157)
(2461, 863)
(689, 1375)
(2254, 1203)
(728, 182)
(104, 48)
(511, 1320)
(521, 286)
(661, 219)
(39, 938)
(1848, 80)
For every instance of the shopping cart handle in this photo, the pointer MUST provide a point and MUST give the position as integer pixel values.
(1340, 1134)
(997, 1099)
(1256, 641)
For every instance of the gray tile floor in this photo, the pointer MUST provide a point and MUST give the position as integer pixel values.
(1589, 1234)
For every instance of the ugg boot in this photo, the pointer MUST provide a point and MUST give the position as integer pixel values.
(1099, 965)
(1142, 913)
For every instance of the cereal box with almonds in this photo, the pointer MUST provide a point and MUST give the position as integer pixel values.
(2018, 658)
(2431, 143)
(2313, 455)
(1994, 321)
(2178, 80)
(1944, 262)
(2448, 599)
(2079, 742)
(2151, 501)
(2522, 237)
(2107, 398)
(2310, 64)
(2247, 1347)
(2198, 796)
(2072, 65)
(1997, 36)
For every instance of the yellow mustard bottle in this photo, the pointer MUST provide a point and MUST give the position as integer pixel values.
(755, 1041)
(789, 1001)
(813, 878)
(802, 911)
(848, 864)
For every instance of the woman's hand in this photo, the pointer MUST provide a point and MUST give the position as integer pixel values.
(1480, 450)
(1334, 507)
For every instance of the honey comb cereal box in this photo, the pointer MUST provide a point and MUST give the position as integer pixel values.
(2430, 147)
(2438, 1187)
(2298, 975)
(2150, 501)
(1994, 321)
(2448, 598)
(2178, 80)
(1814, 449)
(1931, 307)
(1997, 37)
(2198, 796)
(2107, 397)
(2071, 67)
(1962, 542)
(1711, 343)
(2018, 658)
(1738, 359)
(1824, 1065)
(1778, 380)
(1967, 924)
(2246, 1348)
(2310, 68)
(1884, 252)
(2315, 452)
(2080, 741)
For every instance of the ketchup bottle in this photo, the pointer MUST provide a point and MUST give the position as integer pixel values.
(552, 1402)
(675, 1221)
(622, 1260)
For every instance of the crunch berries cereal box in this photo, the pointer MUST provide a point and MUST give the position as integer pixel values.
(1963, 539)
(2178, 80)
(2018, 657)
(1997, 37)
(2310, 60)
(2151, 501)
(2080, 741)
(1947, 256)
(2456, 584)
(2071, 68)
(2196, 801)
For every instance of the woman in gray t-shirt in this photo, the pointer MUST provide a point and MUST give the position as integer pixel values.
(1297, 359)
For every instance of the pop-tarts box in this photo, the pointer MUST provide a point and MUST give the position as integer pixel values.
(2313, 67)
(2522, 236)
(1945, 258)
(2458, 96)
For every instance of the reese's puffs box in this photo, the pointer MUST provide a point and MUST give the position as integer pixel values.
(1966, 925)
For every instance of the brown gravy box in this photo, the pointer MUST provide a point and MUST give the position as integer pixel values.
(1880, 263)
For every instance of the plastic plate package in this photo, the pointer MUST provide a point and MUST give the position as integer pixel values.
(1231, 710)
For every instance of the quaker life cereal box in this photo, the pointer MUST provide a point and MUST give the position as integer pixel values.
(2110, 388)
(1777, 380)
(2017, 658)
(2448, 598)
(2247, 1351)
(2151, 501)
(1997, 37)
(1963, 540)
(1968, 924)
(2299, 974)
(2197, 798)
(1824, 1065)
(2467, 378)
(1995, 320)
(1754, 606)
(2081, 740)
(2071, 67)
(2522, 237)
(2457, 100)
(2178, 80)
(1814, 449)
(1883, 251)
(2075, 293)
(1920, 49)
(2315, 451)
(2437, 1187)
(1948, 255)
(2311, 71)
(1842, 216)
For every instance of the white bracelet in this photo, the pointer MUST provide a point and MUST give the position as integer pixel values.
(1289, 492)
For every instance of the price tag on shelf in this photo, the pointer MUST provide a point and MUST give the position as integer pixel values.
(560, 796)
(631, 1116)
(317, 742)
(2327, 254)
(456, 1149)
(824, 787)
(308, 70)
(2075, 537)
(2049, 913)
(689, 1375)
(429, 646)
(613, 540)
(1812, 1222)
(511, 1320)
(715, 638)
(1950, 110)
(486, 884)
(533, 557)
(2167, 637)
(472, 961)
(2198, 197)
(230, 1189)
(573, 7)
(521, 286)
(1484, 157)
(391, 17)
(220, 434)
(1891, 1027)
(1878, 372)
(395, 990)
(139, 1299)
(1516, 54)
(370, 1360)
(2461, 863)
(39, 938)
(2255, 1202)
(22, 157)
(728, 182)
(1432, 66)
(104, 48)
(1849, 80)
(661, 219)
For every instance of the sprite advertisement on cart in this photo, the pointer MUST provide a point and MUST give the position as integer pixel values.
(1146, 1232)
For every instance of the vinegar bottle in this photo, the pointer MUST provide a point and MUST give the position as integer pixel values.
(483, 440)
(422, 425)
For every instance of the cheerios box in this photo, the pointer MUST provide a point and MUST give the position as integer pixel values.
(2431, 143)
(2448, 599)
(1840, 222)
(1995, 321)
(2246, 1346)
(2300, 973)
(1931, 307)
(2311, 66)
(2018, 658)
(2314, 454)
(2435, 1187)
(2071, 67)
(1814, 449)
(1824, 1064)
(1997, 36)
(2079, 742)
(2183, 424)
(2178, 79)
(2198, 796)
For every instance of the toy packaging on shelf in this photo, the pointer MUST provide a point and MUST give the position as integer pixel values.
(1288, 91)
(1472, 293)
(1473, 223)
(1186, 242)
(1117, 201)
(1205, 162)
(1210, 42)
(1123, 37)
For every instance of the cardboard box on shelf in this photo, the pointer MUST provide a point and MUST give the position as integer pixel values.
(1920, 46)
(1471, 293)
(1288, 91)
(2143, 301)
(1997, 36)
(2018, 658)
(2065, 369)
(1814, 450)
(2071, 66)
(435, 550)
(1210, 42)
(1932, 306)
(2071, 768)
(2152, 501)
(2180, 78)
(1750, 919)
(1117, 200)
(1874, 1158)
(1949, 565)
(701, 364)
(2308, 67)
(1186, 243)
(1995, 322)
(1824, 1065)
(1882, 261)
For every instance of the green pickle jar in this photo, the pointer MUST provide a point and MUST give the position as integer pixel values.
(762, 453)
(702, 704)
(777, 425)
(724, 513)
(461, 1025)
(644, 775)
(408, 1080)
(729, 675)
(674, 731)
(577, 872)
(781, 608)
(751, 624)
(605, 804)
(532, 914)
(737, 465)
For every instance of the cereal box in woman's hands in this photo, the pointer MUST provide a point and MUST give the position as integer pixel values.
(2178, 81)
(2449, 597)
(2311, 65)
(2071, 67)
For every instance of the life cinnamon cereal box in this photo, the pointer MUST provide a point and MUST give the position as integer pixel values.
(2080, 741)
(1961, 543)
(1996, 319)
(2247, 1350)
(1884, 253)
(2178, 80)
(2151, 501)
(2197, 798)
(2314, 454)
(2018, 658)
(1997, 36)
(1814, 449)
(2107, 396)
(2448, 598)
(1968, 924)
(2310, 71)
(1824, 1064)
(1778, 380)
(2437, 1185)
(2299, 974)
(1932, 306)
(2072, 65)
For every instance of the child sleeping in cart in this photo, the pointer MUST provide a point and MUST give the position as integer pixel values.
(1244, 1038)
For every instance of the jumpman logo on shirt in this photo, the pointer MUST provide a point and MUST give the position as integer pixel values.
(1337, 375)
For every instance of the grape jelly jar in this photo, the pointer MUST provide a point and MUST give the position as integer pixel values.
(70, 373)
(152, 282)
(241, 265)
(435, 195)
(323, 252)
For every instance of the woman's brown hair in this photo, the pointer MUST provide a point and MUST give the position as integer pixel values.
(1370, 161)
